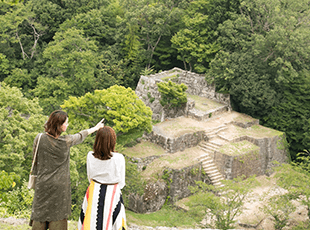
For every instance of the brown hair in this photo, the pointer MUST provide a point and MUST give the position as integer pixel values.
(55, 121)
(104, 143)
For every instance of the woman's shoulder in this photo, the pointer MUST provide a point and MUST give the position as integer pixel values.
(118, 155)
(90, 154)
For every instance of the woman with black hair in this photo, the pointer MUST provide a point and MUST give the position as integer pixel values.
(103, 206)
(52, 197)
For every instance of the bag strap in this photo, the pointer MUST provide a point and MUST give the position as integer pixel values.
(35, 154)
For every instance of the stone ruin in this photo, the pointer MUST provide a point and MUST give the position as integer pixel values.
(147, 91)
(253, 150)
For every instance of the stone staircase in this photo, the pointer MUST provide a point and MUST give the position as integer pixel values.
(211, 134)
(207, 159)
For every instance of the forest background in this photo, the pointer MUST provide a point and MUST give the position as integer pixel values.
(86, 57)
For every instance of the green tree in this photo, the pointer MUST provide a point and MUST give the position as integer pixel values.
(221, 208)
(53, 13)
(303, 160)
(196, 41)
(21, 120)
(20, 32)
(264, 65)
(70, 66)
(20, 35)
(4, 66)
(120, 106)
(7, 181)
(154, 19)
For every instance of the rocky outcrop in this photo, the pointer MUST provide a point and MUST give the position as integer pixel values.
(173, 185)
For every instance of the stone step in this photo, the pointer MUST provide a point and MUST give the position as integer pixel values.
(217, 142)
(211, 172)
(209, 144)
(208, 151)
(208, 162)
(210, 168)
(214, 173)
(216, 130)
(218, 185)
(216, 177)
(208, 165)
(208, 148)
(223, 138)
(204, 157)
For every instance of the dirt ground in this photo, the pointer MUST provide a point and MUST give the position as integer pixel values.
(252, 217)
(178, 126)
(252, 214)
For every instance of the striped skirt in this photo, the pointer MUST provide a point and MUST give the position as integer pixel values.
(102, 208)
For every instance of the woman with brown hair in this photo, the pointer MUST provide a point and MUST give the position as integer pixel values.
(52, 198)
(103, 206)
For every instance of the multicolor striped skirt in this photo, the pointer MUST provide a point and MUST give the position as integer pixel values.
(102, 208)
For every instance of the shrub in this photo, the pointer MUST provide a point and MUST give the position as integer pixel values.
(172, 94)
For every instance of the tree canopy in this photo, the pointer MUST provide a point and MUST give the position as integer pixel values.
(264, 65)
(120, 106)
(21, 120)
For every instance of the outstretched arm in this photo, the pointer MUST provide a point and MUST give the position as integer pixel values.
(96, 128)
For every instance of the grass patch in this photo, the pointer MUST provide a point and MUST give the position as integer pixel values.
(176, 160)
(242, 118)
(259, 131)
(204, 104)
(144, 149)
(238, 148)
(176, 128)
(166, 216)
(72, 225)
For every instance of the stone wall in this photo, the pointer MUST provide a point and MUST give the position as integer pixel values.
(172, 145)
(197, 85)
(147, 91)
(246, 164)
(172, 187)
(259, 163)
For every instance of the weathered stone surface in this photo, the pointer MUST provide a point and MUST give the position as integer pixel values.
(181, 179)
(147, 91)
(259, 163)
(173, 187)
(175, 144)
(152, 200)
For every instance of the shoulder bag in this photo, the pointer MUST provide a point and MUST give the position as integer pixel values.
(32, 178)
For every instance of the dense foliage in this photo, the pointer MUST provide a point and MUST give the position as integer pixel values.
(172, 94)
(264, 65)
(120, 106)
